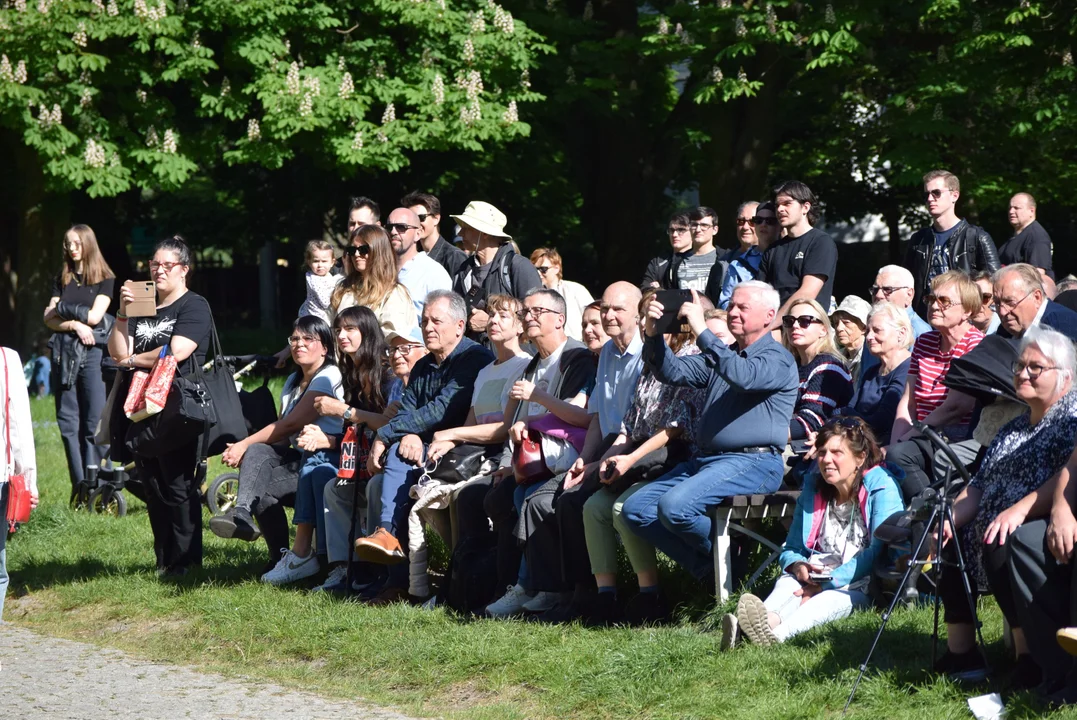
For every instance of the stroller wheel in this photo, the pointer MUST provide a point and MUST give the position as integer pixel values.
(222, 493)
(107, 500)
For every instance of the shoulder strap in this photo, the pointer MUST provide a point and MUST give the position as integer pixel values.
(7, 409)
(529, 375)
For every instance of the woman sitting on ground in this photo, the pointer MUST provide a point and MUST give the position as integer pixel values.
(831, 547)
(825, 384)
(882, 383)
(269, 461)
(594, 335)
(371, 281)
(1012, 492)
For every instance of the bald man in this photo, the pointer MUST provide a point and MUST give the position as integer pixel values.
(554, 510)
(415, 270)
(1030, 242)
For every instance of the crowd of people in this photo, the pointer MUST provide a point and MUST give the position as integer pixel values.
(460, 386)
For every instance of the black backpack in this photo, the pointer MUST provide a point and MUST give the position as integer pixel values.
(471, 581)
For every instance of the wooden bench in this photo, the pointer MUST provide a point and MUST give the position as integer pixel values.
(729, 515)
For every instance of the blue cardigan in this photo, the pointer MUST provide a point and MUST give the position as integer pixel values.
(879, 498)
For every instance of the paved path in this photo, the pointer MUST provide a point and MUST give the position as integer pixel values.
(44, 677)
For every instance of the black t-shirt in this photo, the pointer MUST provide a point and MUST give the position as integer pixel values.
(786, 263)
(188, 317)
(78, 293)
(1032, 245)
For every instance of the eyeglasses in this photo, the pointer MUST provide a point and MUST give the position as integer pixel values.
(538, 312)
(701, 226)
(400, 228)
(302, 340)
(360, 250)
(154, 265)
(759, 220)
(944, 303)
(1034, 369)
(804, 321)
(986, 297)
(677, 230)
(69, 245)
(1010, 305)
(543, 269)
(403, 350)
(887, 290)
(936, 193)
(746, 221)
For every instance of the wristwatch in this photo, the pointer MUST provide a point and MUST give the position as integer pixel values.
(348, 414)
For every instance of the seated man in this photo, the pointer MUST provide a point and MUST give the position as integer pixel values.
(751, 390)
(438, 396)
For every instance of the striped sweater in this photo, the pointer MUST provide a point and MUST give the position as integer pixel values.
(825, 385)
(929, 367)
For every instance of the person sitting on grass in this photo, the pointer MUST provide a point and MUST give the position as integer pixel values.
(269, 461)
(831, 547)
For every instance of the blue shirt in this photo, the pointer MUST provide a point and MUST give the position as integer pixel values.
(919, 326)
(420, 275)
(877, 398)
(742, 267)
(615, 383)
(750, 393)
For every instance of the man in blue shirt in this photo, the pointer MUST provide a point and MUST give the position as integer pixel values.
(438, 396)
(893, 283)
(751, 390)
(415, 270)
(743, 261)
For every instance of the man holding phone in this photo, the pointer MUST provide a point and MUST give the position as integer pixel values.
(751, 389)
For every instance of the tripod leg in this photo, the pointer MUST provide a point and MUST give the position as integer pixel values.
(898, 594)
(968, 592)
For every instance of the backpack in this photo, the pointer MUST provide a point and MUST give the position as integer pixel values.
(471, 580)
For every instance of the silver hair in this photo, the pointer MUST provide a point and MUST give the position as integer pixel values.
(899, 271)
(1056, 347)
(745, 204)
(897, 317)
(457, 306)
(771, 299)
(1030, 276)
(558, 301)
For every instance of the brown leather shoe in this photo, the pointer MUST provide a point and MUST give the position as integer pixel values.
(390, 596)
(381, 547)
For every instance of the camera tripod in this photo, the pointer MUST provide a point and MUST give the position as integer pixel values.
(938, 504)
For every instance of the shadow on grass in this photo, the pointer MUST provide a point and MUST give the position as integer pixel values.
(39, 576)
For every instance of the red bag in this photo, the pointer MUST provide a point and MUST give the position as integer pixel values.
(160, 382)
(18, 497)
(528, 464)
(347, 455)
(136, 394)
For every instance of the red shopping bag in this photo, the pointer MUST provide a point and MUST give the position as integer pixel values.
(160, 381)
(347, 454)
(136, 393)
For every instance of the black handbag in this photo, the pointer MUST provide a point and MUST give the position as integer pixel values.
(464, 462)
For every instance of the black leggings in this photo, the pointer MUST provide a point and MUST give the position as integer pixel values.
(174, 504)
(996, 560)
(78, 409)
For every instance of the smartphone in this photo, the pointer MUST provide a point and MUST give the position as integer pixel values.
(144, 303)
(820, 577)
(671, 301)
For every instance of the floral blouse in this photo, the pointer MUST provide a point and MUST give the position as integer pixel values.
(1022, 458)
(657, 406)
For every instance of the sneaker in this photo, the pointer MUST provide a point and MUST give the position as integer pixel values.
(1067, 639)
(336, 582)
(541, 602)
(646, 609)
(752, 620)
(568, 608)
(509, 604)
(964, 667)
(235, 523)
(730, 632)
(603, 611)
(292, 568)
(381, 547)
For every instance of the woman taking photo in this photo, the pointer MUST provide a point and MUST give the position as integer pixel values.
(269, 461)
(78, 313)
(1013, 487)
(184, 323)
(831, 547)
(825, 384)
(371, 280)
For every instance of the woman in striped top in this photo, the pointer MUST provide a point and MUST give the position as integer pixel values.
(953, 300)
(825, 383)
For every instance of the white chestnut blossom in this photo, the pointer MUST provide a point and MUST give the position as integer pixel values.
(438, 89)
(254, 130)
(511, 115)
(469, 51)
(94, 156)
(20, 72)
(347, 87)
(80, 38)
(389, 115)
(291, 82)
(357, 141)
(170, 142)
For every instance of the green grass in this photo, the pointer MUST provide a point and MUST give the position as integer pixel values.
(91, 578)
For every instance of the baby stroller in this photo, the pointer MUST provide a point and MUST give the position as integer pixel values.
(259, 410)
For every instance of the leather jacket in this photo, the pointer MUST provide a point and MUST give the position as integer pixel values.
(970, 249)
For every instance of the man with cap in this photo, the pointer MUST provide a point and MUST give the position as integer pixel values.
(415, 270)
(850, 322)
(494, 266)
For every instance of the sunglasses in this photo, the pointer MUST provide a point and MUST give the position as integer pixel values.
(422, 217)
(360, 250)
(886, 289)
(944, 303)
(544, 269)
(986, 297)
(757, 220)
(804, 321)
(400, 228)
(936, 193)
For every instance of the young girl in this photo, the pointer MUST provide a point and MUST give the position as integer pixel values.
(320, 281)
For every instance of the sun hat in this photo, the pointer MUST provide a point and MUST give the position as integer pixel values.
(854, 307)
(412, 334)
(485, 218)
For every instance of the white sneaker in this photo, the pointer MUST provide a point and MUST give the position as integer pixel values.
(338, 576)
(542, 601)
(291, 568)
(511, 603)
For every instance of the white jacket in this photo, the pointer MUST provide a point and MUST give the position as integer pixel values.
(13, 387)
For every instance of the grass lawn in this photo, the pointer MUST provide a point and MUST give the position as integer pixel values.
(92, 578)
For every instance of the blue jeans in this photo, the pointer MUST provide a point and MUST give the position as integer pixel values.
(397, 478)
(318, 469)
(521, 493)
(673, 512)
(3, 548)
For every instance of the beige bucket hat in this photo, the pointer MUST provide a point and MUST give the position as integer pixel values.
(485, 218)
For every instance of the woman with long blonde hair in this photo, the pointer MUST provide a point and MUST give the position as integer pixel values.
(78, 314)
(371, 281)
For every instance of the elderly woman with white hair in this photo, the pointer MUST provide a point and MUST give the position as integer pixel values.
(1012, 493)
